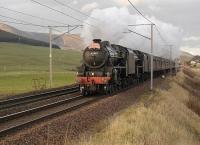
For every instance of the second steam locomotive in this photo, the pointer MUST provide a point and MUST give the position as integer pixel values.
(107, 67)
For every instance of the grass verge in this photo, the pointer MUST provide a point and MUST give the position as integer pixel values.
(20, 82)
(25, 68)
(160, 118)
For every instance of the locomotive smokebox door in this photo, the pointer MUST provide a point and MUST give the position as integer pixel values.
(95, 56)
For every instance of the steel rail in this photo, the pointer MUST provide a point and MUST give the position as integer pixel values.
(4, 104)
(10, 128)
(36, 109)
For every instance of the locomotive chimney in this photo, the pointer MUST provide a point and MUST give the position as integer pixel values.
(97, 41)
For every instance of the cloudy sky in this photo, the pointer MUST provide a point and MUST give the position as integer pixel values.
(184, 14)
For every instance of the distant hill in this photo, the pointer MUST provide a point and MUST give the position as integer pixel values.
(11, 34)
(185, 56)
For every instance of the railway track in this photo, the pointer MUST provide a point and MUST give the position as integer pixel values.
(5, 104)
(12, 122)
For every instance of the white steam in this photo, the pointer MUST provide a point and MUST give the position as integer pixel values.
(113, 22)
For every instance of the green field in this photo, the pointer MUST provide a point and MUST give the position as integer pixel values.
(25, 68)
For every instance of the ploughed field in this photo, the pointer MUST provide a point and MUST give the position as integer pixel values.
(25, 68)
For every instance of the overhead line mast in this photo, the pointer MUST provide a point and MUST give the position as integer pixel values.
(152, 32)
(152, 38)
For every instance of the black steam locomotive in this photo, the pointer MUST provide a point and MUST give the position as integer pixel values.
(107, 67)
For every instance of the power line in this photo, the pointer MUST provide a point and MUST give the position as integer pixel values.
(60, 12)
(55, 10)
(140, 12)
(37, 17)
(32, 24)
(162, 38)
(28, 24)
(68, 35)
(14, 19)
(66, 32)
(25, 23)
(159, 33)
(21, 22)
(135, 25)
(65, 5)
(139, 34)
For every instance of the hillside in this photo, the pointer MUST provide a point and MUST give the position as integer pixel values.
(11, 34)
(19, 57)
(185, 56)
(21, 64)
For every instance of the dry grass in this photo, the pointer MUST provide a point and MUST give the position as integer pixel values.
(194, 104)
(192, 72)
(190, 79)
(192, 83)
(160, 118)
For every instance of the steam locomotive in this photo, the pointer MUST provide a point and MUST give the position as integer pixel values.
(107, 67)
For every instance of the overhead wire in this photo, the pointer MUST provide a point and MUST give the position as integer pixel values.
(159, 33)
(76, 10)
(65, 14)
(26, 23)
(67, 35)
(33, 16)
(139, 34)
(11, 22)
(21, 22)
(140, 12)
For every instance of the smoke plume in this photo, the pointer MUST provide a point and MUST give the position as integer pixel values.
(112, 25)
